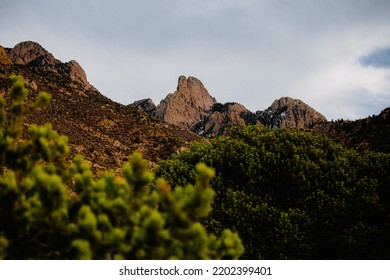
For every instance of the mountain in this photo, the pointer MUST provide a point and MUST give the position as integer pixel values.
(192, 107)
(106, 132)
(103, 131)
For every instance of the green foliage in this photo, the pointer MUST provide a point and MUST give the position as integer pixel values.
(133, 216)
(293, 195)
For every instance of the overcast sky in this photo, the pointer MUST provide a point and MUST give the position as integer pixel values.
(332, 54)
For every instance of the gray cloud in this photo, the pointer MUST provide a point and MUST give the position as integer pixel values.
(247, 51)
(380, 58)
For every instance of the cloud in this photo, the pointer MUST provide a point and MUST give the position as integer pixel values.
(327, 53)
(334, 79)
(380, 58)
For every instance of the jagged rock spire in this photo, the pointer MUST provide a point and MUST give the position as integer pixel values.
(188, 105)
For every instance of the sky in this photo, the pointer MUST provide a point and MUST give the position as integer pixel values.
(332, 54)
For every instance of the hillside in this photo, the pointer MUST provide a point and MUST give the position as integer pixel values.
(103, 131)
(371, 133)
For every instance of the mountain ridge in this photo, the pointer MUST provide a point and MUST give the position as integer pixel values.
(192, 107)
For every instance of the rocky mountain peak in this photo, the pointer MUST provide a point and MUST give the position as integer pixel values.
(188, 105)
(32, 54)
(291, 113)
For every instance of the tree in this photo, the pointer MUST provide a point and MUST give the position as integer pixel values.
(133, 216)
(293, 195)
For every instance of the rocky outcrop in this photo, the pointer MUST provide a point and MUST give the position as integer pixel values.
(188, 105)
(4, 59)
(146, 105)
(287, 112)
(75, 72)
(221, 117)
(34, 55)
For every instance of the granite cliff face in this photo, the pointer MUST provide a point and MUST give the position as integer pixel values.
(192, 107)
